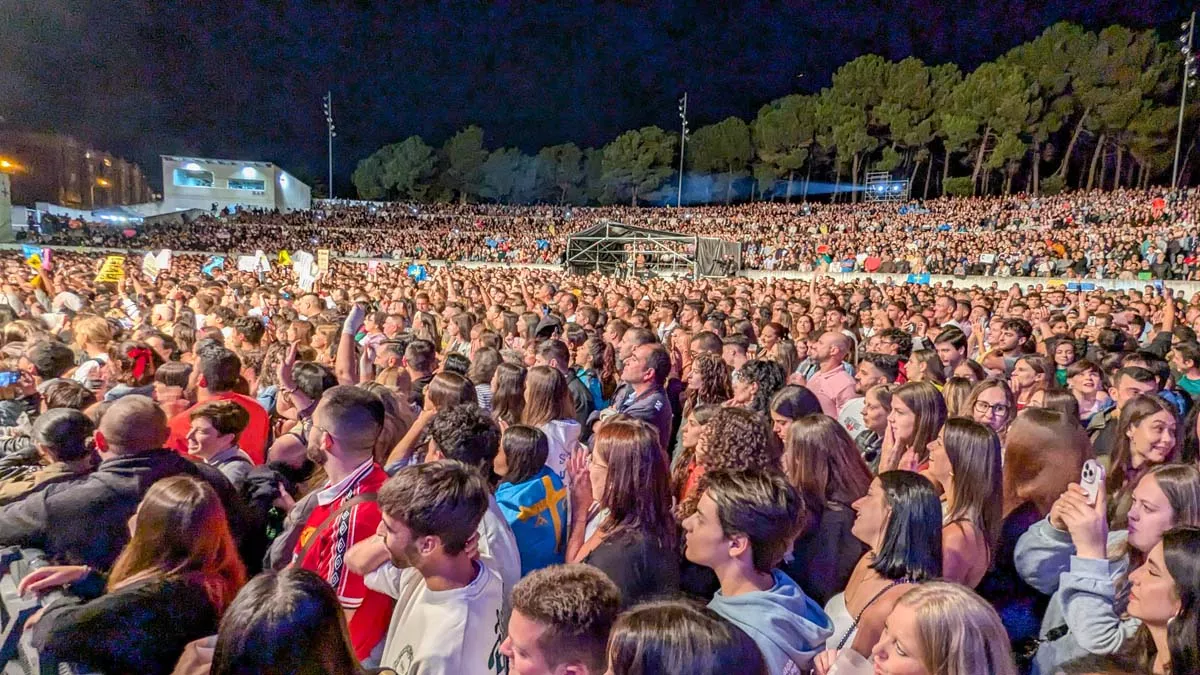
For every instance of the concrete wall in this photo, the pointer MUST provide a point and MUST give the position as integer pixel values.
(279, 190)
(292, 195)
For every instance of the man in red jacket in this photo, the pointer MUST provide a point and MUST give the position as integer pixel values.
(218, 370)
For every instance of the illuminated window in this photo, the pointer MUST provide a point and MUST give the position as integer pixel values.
(244, 184)
(193, 178)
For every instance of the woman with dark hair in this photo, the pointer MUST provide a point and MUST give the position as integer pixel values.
(170, 586)
(734, 439)
(1146, 437)
(623, 488)
(685, 470)
(458, 334)
(548, 407)
(964, 460)
(918, 413)
(790, 404)
(992, 403)
(285, 623)
(595, 366)
(481, 372)
(171, 387)
(708, 382)
(824, 465)
(1165, 596)
(1085, 381)
(1031, 373)
(900, 521)
(130, 370)
(756, 382)
(1073, 555)
(925, 366)
(527, 482)
(675, 637)
(443, 392)
(508, 393)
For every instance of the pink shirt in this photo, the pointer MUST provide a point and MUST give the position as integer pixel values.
(832, 389)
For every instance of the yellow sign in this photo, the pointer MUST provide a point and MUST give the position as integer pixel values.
(113, 269)
(285, 258)
(323, 259)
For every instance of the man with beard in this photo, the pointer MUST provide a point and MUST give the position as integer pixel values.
(346, 423)
(449, 609)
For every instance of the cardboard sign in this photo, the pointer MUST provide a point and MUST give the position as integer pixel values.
(213, 263)
(113, 269)
(150, 266)
(323, 259)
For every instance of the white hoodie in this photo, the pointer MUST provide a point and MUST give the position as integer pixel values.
(564, 438)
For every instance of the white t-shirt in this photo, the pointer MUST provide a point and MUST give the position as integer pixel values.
(499, 546)
(850, 416)
(442, 632)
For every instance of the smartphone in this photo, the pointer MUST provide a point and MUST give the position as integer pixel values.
(1091, 479)
(1158, 287)
(9, 377)
(1091, 321)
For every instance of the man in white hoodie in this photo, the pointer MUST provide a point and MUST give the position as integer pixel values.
(743, 525)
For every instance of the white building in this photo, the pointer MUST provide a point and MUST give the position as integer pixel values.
(197, 183)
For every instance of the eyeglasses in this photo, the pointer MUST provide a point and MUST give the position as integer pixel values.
(983, 408)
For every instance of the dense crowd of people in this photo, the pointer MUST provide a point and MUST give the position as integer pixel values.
(1126, 234)
(514, 470)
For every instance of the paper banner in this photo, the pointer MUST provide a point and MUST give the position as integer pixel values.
(164, 260)
(323, 259)
(247, 263)
(150, 266)
(112, 270)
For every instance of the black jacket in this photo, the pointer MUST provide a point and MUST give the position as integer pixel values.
(84, 522)
(141, 628)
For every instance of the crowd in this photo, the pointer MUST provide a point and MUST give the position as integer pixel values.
(1126, 234)
(516, 470)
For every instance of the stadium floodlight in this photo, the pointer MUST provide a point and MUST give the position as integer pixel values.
(328, 108)
(683, 133)
(1189, 81)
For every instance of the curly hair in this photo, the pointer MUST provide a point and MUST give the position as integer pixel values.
(769, 377)
(715, 382)
(735, 439)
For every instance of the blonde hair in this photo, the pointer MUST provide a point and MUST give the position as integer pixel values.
(959, 632)
(93, 330)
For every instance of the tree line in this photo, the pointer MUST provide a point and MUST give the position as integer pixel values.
(1071, 108)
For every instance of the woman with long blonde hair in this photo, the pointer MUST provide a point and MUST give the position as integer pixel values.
(941, 628)
(169, 586)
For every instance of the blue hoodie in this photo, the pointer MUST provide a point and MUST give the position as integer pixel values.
(789, 628)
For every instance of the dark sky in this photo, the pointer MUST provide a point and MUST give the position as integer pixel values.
(244, 80)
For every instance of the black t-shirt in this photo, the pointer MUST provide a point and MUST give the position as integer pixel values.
(641, 567)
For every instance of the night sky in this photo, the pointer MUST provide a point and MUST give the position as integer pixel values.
(244, 80)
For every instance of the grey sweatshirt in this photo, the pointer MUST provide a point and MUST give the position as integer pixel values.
(1085, 597)
(788, 626)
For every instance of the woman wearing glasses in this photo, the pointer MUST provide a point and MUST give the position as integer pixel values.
(993, 404)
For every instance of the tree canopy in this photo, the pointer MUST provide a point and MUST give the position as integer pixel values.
(1069, 108)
